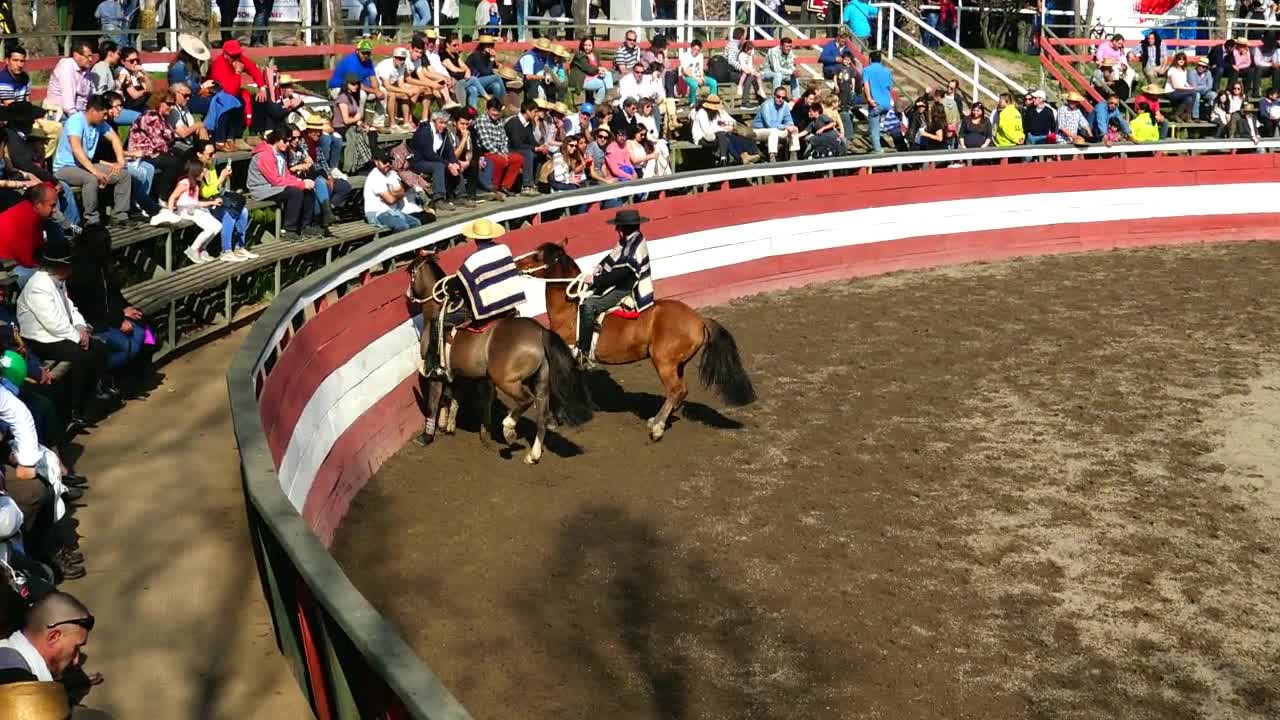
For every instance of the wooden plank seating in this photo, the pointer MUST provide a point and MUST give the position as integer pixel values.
(1186, 130)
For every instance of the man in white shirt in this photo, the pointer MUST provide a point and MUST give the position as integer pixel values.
(54, 329)
(640, 84)
(384, 202)
(419, 74)
(392, 73)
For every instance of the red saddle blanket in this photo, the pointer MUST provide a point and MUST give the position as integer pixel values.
(624, 313)
(481, 326)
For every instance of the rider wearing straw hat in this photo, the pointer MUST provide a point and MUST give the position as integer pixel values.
(488, 283)
(623, 276)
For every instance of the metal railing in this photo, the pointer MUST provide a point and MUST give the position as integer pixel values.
(349, 660)
(896, 12)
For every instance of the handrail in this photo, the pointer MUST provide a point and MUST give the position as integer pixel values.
(1051, 60)
(896, 10)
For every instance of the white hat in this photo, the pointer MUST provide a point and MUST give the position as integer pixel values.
(400, 52)
(1040, 95)
(194, 47)
(10, 517)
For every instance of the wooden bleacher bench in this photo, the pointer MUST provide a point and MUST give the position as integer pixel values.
(1200, 128)
(134, 234)
(152, 296)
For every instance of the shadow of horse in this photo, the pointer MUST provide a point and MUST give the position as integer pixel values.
(611, 397)
(479, 411)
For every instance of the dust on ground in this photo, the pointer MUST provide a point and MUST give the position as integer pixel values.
(1042, 488)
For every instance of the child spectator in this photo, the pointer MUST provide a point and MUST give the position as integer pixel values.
(693, 67)
(185, 203)
(235, 221)
(748, 75)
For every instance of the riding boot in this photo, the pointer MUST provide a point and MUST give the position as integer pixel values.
(326, 216)
(586, 329)
(434, 366)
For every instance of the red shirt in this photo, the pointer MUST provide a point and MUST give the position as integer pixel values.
(221, 71)
(23, 234)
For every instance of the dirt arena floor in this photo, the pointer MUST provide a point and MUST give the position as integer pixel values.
(1047, 488)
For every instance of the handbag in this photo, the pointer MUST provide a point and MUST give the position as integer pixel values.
(232, 202)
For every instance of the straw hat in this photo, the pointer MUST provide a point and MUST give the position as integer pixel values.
(483, 229)
(285, 79)
(1107, 63)
(314, 122)
(543, 44)
(1080, 141)
(561, 108)
(512, 78)
(194, 46)
(543, 104)
(713, 102)
(1074, 97)
(1242, 40)
(431, 34)
(1250, 107)
(562, 51)
(34, 701)
(487, 40)
(1153, 89)
(1202, 60)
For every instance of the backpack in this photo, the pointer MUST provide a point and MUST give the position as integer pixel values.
(718, 67)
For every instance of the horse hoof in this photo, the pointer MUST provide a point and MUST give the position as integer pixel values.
(423, 440)
(530, 460)
(655, 433)
(509, 434)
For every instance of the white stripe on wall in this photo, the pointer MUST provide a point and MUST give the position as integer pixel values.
(350, 390)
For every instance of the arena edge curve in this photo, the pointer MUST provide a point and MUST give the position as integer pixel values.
(339, 398)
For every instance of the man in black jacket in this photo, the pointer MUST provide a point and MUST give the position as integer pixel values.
(26, 144)
(521, 140)
(433, 156)
(624, 123)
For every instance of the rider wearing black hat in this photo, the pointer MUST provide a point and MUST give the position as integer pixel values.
(622, 276)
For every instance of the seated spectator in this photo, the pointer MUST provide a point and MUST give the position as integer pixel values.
(155, 164)
(733, 54)
(933, 133)
(1245, 126)
(400, 95)
(187, 68)
(133, 82)
(103, 73)
(625, 121)
(628, 54)
(25, 152)
(1073, 126)
(1241, 61)
(384, 194)
(48, 645)
(822, 133)
(73, 162)
(330, 192)
(464, 148)
(1269, 112)
(1266, 63)
(557, 74)
(640, 83)
(1111, 49)
(712, 125)
(25, 225)
(780, 66)
(360, 64)
(269, 179)
(849, 91)
(433, 158)
(1145, 127)
(14, 183)
(975, 130)
(521, 140)
(549, 130)
(495, 151)
(1179, 90)
(693, 68)
(426, 71)
(55, 330)
(748, 75)
(70, 84)
(581, 124)
(348, 122)
(235, 221)
(587, 73)
(773, 122)
(274, 113)
(186, 129)
(230, 110)
(535, 71)
(185, 203)
(115, 322)
(893, 127)
(467, 89)
(483, 64)
(1202, 81)
(1221, 114)
(15, 83)
(1105, 115)
(646, 118)
(1039, 121)
(569, 166)
(1107, 79)
(650, 158)
(1149, 100)
(829, 57)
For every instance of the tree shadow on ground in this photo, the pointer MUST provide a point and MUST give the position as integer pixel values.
(651, 629)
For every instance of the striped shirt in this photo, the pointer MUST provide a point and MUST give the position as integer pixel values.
(625, 57)
(14, 89)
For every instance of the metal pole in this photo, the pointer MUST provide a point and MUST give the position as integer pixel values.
(893, 16)
(975, 81)
(173, 24)
(307, 20)
(959, 8)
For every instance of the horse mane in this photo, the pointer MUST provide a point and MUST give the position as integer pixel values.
(430, 260)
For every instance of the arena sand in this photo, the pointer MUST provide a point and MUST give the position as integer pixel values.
(1046, 488)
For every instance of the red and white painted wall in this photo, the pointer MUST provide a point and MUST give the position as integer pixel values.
(341, 397)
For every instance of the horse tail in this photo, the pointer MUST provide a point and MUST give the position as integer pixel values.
(570, 398)
(721, 367)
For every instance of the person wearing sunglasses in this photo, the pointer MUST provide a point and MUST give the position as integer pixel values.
(49, 643)
(134, 84)
(773, 122)
(70, 83)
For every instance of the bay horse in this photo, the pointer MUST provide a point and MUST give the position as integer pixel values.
(669, 333)
(529, 364)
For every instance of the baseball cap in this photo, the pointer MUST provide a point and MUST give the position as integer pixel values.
(402, 53)
(365, 45)
(1039, 95)
(13, 367)
(587, 108)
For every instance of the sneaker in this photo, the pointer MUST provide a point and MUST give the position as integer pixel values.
(749, 158)
(244, 253)
(68, 570)
(232, 257)
(312, 231)
(205, 256)
(72, 494)
(530, 192)
(337, 174)
(193, 256)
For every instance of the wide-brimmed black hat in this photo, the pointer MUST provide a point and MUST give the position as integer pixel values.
(19, 111)
(627, 217)
(56, 251)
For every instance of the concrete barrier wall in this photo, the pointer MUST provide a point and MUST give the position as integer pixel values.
(341, 397)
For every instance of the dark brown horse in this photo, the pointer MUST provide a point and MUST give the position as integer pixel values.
(529, 364)
(670, 333)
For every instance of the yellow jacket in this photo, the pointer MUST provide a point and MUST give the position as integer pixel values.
(1144, 129)
(1009, 127)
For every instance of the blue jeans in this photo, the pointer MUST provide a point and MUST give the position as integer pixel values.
(778, 79)
(261, 16)
(474, 88)
(232, 227)
(421, 12)
(369, 18)
(338, 196)
(599, 85)
(493, 86)
(331, 144)
(67, 205)
(121, 348)
(143, 174)
(874, 116)
(393, 219)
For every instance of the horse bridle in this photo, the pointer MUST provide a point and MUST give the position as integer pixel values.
(573, 287)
